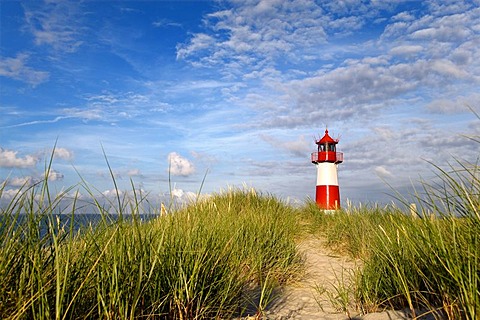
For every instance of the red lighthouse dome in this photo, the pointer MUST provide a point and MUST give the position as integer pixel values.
(327, 150)
(326, 159)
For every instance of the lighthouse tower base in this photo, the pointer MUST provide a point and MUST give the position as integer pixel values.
(327, 195)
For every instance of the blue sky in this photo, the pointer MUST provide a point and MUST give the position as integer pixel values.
(237, 91)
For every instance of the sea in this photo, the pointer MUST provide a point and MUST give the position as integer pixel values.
(65, 222)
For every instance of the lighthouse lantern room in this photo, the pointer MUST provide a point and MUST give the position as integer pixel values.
(326, 159)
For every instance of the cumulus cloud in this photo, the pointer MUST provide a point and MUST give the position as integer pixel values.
(113, 193)
(403, 16)
(382, 172)
(9, 159)
(20, 181)
(177, 193)
(63, 153)
(441, 34)
(182, 196)
(10, 194)
(54, 175)
(179, 166)
(127, 194)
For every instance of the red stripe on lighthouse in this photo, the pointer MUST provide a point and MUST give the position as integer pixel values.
(328, 197)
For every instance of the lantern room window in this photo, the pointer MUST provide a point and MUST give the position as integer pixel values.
(326, 147)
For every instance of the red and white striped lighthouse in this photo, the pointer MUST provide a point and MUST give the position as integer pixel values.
(327, 159)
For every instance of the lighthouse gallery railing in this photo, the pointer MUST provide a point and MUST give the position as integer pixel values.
(328, 156)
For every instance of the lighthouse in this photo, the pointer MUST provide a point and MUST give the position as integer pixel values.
(326, 159)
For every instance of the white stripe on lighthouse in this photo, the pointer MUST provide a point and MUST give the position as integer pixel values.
(327, 174)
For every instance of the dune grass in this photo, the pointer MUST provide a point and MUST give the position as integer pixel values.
(428, 262)
(226, 255)
(212, 259)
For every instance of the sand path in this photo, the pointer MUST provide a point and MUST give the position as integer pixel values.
(314, 296)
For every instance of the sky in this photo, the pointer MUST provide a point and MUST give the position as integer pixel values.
(184, 97)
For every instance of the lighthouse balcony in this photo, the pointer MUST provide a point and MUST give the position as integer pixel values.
(327, 156)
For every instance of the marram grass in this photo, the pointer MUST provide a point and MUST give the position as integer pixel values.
(213, 259)
(428, 262)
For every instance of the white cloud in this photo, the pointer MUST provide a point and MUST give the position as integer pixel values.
(63, 153)
(129, 194)
(458, 104)
(452, 28)
(299, 147)
(20, 181)
(204, 157)
(403, 16)
(88, 114)
(9, 159)
(10, 194)
(78, 195)
(448, 69)
(134, 172)
(385, 133)
(166, 23)
(85, 115)
(35, 122)
(182, 196)
(406, 50)
(199, 42)
(54, 175)
(435, 30)
(394, 30)
(177, 193)
(255, 33)
(382, 172)
(179, 166)
(402, 63)
(113, 193)
(443, 8)
(356, 90)
(17, 69)
(347, 24)
(54, 23)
